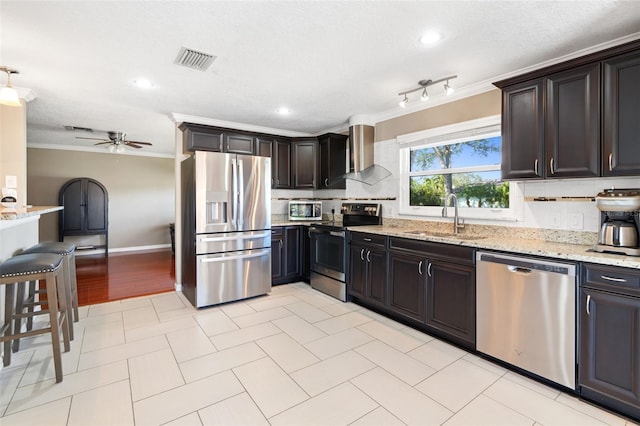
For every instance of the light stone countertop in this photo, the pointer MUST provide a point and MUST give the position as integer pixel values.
(7, 213)
(513, 244)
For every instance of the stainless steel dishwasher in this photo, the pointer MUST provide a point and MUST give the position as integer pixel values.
(526, 314)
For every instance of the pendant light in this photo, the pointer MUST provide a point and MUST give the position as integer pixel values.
(9, 95)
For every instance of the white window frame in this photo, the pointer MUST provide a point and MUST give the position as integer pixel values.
(438, 136)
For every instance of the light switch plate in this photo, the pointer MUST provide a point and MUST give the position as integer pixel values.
(11, 181)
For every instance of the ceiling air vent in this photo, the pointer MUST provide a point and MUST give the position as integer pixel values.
(74, 128)
(193, 59)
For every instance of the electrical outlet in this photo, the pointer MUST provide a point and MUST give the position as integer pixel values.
(11, 181)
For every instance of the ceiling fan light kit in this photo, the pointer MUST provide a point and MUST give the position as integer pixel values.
(117, 141)
(9, 95)
(422, 85)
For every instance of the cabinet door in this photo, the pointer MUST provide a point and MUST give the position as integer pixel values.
(73, 201)
(407, 285)
(305, 253)
(610, 347)
(239, 144)
(451, 300)
(572, 127)
(357, 270)
(281, 164)
(292, 253)
(264, 147)
(621, 123)
(96, 207)
(522, 131)
(277, 254)
(333, 150)
(304, 164)
(198, 138)
(376, 277)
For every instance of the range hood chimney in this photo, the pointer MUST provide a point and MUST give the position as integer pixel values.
(361, 162)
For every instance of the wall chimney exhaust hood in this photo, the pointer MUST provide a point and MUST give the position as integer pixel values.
(361, 162)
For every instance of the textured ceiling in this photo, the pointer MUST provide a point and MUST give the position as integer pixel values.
(324, 60)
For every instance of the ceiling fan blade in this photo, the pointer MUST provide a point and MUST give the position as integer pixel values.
(133, 145)
(93, 139)
(102, 143)
(140, 143)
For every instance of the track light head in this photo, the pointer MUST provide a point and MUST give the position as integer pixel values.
(448, 89)
(425, 95)
(403, 102)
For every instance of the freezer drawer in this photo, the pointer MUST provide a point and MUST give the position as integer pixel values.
(232, 241)
(226, 277)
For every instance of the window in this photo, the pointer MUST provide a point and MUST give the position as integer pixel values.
(461, 159)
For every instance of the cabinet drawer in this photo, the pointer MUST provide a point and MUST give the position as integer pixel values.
(451, 252)
(277, 231)
(364, 238)
(611, 276)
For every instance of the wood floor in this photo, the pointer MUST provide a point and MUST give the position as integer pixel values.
(120, 276)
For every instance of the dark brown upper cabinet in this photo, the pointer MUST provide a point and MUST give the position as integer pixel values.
(572, 123)
(333, 160)
(197, 137)
(621, 117)
(239, 143)
(281, 164)
(304, 163)
(578, 118)
(522, 131)
(264, 147)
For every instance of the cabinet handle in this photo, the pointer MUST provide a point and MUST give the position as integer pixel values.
(616, 280)
(362, 255)
(588, 302)
(611, 161)
(271, 181)
(535, 167)
(369, 256)
(367, 239)
(420, 267)
(429, 269)
(326, 182)
(551, 166)
(280, 241)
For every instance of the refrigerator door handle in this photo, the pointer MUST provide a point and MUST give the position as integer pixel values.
(236, 257)
(235, 238)
(234, 194)
(240, 177)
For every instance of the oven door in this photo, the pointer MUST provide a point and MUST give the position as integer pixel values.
(328, 254)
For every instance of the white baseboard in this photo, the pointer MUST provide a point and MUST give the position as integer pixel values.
(155, 247)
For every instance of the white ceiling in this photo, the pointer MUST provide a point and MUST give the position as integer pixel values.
(324, 60)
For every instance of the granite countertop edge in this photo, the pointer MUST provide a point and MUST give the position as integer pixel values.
(23, 212)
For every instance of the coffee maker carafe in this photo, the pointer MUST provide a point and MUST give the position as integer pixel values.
(619, 221)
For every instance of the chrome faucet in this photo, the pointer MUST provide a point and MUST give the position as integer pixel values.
(458, 222)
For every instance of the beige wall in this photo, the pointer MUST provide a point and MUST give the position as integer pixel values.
(13, 148)
(478, 106)
(141, 192)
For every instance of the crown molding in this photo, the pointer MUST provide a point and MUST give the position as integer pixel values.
(185, 118)
(98, 150)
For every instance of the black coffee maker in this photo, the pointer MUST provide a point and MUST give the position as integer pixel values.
(619, 221)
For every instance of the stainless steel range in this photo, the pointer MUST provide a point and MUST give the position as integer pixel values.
(329, 253)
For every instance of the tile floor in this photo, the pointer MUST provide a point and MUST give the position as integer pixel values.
(294, 357)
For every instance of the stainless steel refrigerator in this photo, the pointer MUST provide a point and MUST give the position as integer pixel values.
(226, 209)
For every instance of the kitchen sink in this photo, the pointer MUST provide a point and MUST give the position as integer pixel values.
(444, 235)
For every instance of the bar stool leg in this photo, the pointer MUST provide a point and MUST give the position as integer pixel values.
(32, 303)
(9, 307)
(74, 286)
(66, 270)
(17, 325)
(52, 300)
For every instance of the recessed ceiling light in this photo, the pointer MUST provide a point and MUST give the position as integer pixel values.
(143, 83)
(283, 111)
(430, 38)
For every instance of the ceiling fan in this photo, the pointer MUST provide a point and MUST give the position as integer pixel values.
(117, 141)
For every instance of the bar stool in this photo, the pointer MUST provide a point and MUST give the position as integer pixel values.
(31, 267)
(68, 252)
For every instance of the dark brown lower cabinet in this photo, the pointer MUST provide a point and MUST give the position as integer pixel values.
(609, 359)
(368, 273)
(407, 282)
(451, 300)
(285, 254)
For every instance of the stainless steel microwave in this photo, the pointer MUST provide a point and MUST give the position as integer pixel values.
(305, 210)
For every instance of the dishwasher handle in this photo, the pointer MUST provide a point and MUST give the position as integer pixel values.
(519, 269)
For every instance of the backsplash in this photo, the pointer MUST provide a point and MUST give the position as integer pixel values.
(556, 220)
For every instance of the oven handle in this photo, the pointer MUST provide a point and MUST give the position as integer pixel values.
(313, 230)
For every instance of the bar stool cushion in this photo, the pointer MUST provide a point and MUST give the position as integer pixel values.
(27, 264)
(62, 248)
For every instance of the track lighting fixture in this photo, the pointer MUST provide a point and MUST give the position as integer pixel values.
(422, 85)
(403, 103)
(9, 95)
